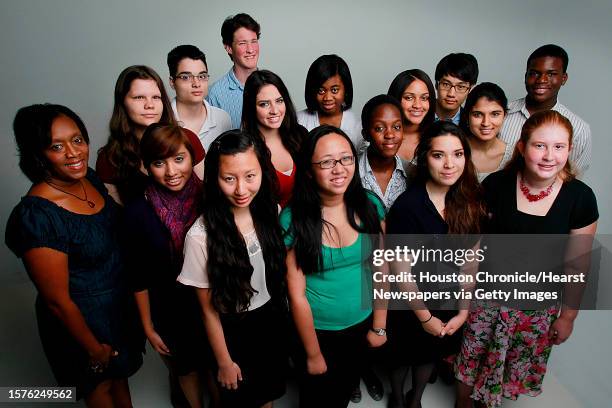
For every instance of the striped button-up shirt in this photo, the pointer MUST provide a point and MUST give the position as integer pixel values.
(580, 155)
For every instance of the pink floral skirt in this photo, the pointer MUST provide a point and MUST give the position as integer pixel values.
(504, 352)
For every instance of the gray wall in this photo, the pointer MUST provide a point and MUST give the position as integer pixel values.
(70, 52)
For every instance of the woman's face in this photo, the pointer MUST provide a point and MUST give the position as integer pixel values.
(415, 102)
(446, 160)
(330, 96)
(545, 152)
(334, 180)
(486, 119)
(270, 107)
(68, 153)
(173, 172)
(385, 130)
(240, 177)
(143, 103)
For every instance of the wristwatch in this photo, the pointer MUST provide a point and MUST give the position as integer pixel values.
(379, 331)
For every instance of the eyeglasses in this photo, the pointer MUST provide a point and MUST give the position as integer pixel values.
(331, 163)
(190, 77)
(460, 88)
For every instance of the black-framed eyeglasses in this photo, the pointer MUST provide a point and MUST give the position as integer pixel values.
(331, 163)
(203, 76)
(460, 88)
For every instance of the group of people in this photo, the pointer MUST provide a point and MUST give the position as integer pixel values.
(229, 230)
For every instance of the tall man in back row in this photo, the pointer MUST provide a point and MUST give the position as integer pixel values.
(546, 74)
(240, 35)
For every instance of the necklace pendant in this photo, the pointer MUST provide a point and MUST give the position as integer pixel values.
(91, 204)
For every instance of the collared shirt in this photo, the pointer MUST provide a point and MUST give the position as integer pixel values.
(397, 185)
(580, 154)
(217, 121)
(226, 93)
(454, 119)
(350, 124)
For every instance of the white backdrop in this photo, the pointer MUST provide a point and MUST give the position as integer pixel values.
(70, 52)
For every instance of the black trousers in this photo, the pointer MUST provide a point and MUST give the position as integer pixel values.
(343, 351)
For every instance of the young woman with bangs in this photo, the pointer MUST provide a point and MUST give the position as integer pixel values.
(155, 226)
(445, 198)
(329, 97)
(268, 112)
(326, 226)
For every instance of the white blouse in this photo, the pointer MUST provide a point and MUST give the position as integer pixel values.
(194, 272)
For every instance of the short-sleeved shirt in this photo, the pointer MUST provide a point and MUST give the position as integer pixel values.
(350, 124)
(339, 295)
(580, 154)
(217, 121)
(397, 185)
(195, 264)
(226, 93)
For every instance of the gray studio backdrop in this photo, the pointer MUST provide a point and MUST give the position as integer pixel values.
(70, 52)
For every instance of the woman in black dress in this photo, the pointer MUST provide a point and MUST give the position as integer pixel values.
(444, 199)
(155, 227)
(64, 229)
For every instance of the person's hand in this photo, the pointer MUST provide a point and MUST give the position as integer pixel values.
(374, 340)
(98, 360)
(560, 330)
(434, 326)
(316, 365)
(454, 324)
(158, 343)
(229, 375)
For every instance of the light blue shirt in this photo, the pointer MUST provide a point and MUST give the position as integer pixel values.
(454, 119)
(226, 93)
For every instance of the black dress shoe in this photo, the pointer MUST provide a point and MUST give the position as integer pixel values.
(374, 386)
(356, 395)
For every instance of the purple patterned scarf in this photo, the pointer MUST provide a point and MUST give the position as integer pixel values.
(177, 210)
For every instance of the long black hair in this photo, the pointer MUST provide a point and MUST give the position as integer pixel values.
(291, 132)
(229, 268)
(307, 219)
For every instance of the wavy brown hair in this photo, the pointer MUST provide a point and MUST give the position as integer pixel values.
(465, 210)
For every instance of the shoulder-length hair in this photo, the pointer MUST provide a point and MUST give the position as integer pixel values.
(229, 268)
(307, 220)
(162, 141)
(488, 90)
(464, 202)
(535, 121)
(402, 81)
(123, 147)
(32, 128)
(290, 131)
(323, 68)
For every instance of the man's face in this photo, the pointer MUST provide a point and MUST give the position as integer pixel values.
(244, 49)
(190, 81)
(452, 92)
(544, 78)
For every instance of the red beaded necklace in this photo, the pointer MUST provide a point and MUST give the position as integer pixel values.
(535, 197)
